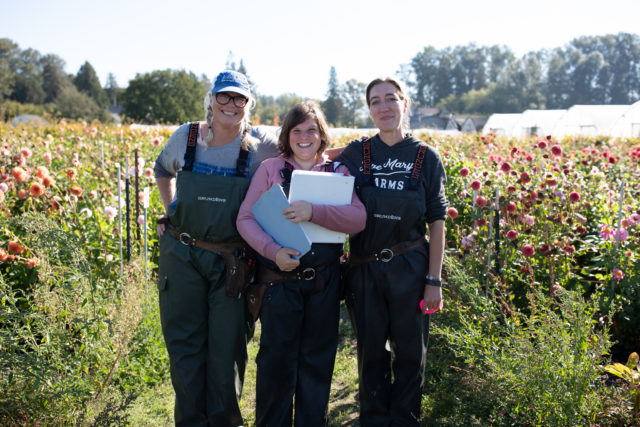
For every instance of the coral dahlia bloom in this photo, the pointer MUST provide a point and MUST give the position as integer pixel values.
(19, 174)
(26, 152)
(71, 172)
(481, 201)
(15, 248)
(42, 171)
(452, 213)
(31, 262)
(76, 190)
(3, 255)
(48, 181)
(36, 189)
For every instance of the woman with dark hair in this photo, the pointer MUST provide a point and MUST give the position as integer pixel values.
(202, 175)
(300, 309)
(401, 182)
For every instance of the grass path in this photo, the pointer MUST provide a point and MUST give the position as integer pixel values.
(155, 407)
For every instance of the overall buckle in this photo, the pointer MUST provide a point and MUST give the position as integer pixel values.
(308, 274)
(386, 255)
(186, 239)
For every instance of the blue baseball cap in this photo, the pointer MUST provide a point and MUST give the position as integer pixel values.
(232, 81)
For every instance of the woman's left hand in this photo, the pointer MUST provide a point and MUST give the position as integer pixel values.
(299, 211)
(432, 298)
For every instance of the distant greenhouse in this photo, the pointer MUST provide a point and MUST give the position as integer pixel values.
(589, 120)
(628, 124)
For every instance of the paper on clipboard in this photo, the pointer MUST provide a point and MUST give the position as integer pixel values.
(321, 188)
(267, 211)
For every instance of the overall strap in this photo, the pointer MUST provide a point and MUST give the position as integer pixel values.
(242, 164)
(190, 152)
(285, 174)
(417, 167)
(366, 160)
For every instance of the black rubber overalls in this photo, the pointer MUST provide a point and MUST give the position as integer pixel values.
(383, 299)
(298, 341)
(206, 332)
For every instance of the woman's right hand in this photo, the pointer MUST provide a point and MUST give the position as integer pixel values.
(284, 260)
(161, 227)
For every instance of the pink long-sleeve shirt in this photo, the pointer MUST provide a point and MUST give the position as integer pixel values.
(345, 219)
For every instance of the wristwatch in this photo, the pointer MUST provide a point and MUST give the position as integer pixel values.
(432, 280)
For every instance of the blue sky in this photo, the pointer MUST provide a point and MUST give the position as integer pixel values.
(287, 45)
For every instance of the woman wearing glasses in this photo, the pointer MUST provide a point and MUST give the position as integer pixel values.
(203, 174)
(401, 182)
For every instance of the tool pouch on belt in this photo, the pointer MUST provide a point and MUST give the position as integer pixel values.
(254, 295)
(240, 270)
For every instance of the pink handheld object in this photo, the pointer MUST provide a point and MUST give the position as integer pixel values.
(430, 311)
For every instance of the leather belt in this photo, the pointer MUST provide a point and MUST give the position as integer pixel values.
(266, 275)
(387, 254)
(186, 239)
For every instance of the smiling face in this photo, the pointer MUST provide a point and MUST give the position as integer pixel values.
(305, 141)
(387, 107)
(227, 115)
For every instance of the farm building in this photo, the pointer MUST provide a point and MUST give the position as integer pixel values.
(588, 120)
(628, 123)
(472, 124)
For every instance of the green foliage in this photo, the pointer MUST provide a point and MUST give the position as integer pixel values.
(271, 111)
(74, 104)
(166, 96)
(538, 367)
(68, 333)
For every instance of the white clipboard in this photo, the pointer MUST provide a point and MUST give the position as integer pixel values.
(326, 188)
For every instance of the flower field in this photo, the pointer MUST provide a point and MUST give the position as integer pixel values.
(530, 222)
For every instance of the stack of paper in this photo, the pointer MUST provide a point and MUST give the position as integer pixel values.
(321, 188)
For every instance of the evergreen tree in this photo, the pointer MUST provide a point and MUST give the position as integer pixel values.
(333, 105)
(353, 92)
(112, 89)
(86, 81)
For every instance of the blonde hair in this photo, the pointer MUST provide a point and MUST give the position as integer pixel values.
(247, 139)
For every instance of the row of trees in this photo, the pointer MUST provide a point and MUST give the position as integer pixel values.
(32, 82)
(472, 79)
(465, 79)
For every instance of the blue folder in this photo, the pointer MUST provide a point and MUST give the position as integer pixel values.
(268, 213)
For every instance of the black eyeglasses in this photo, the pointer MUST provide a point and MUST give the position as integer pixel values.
(238, 100)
